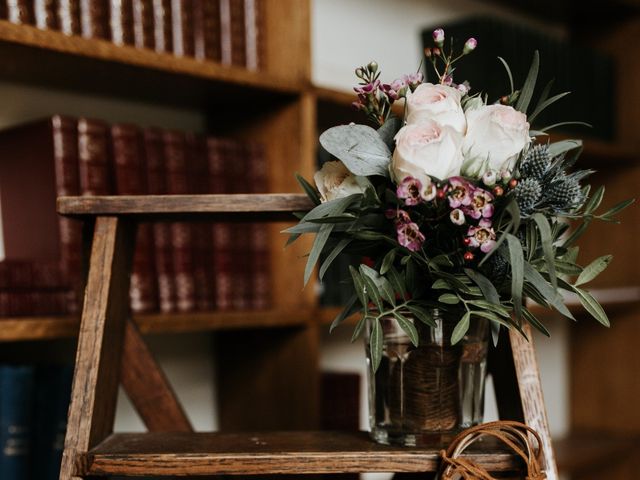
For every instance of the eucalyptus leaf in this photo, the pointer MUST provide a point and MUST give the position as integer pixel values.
(558, 148)
(441, 284)
(332, 207)
(340, 246)
(373, 292)
(397, 282)
(359, 286)
(360, 148)
(407, 327)
(318, 244)
(546, 240)
(350, 307)
(617, 208)
(592, 306)
(422, 314)
(564, 124)
(488, 289)
(375, 344)
(577, 233)
(541, 106)
(516, 258)
(492, 317)
(461, 329)
(311, 192)
(357, 331)
(384, 287)
(509, 74)
(387, 261)
(594, 269)
(594, 202)
(448, 298)
(549, 293)
(388, 131)
(533, 320)
(529, 84)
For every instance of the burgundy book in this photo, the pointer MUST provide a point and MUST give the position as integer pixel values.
(121, 22)
(3, 10)
(258, 234)
(206, 29)
(45, 14)
(38, 162)
(218, 151)
(39, 275)
(238, 33)
(156, 184)
(94, 19)
(143, 24)
(181, 234)
(182, 24)
(69, 16)
(32, 302)
(93, 157)
(131, 179)
(163, 29)
(201, 232)
(20, 11)
(254, 34)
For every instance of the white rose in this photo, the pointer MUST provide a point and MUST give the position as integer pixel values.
(427, 149)
(496, 134)
(439, 103)
(335, 181)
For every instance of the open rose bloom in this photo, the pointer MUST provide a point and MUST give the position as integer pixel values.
(456, 203)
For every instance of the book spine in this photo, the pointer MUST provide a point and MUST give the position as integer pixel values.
(130, 179)
(93, 156)
(260, 264)
(69, 16)
(45, 275)
(206, 26)
(156, 184)
(45, 14)
(241, 273)
(66, 161)
(182, 23)
(52, 395)
(16, 399)
(143, 24)
(94, 19)
(253, 21)
(33, 302)
(20, 12)
(201, 232)
(225, 32)
(162, 22)
(121, 22)
(181, 234)
(238, 33)
(217, 152)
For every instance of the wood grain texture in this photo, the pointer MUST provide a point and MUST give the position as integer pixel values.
(268, 453)
(532, 399)
(104, 312)
(159, 206)
(148, 388)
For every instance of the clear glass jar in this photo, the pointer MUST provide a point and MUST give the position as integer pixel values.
(436, 388)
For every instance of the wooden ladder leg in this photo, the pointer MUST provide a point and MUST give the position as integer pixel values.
(519, 396)
(105, 310)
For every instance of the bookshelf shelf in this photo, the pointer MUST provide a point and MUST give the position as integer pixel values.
(52, 58)
(53, 327)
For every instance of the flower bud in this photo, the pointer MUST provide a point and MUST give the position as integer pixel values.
(469, 46)
(359, 72)
(428, 52)
(457, 217)
(436, 51)
(438, 36)
(373, 67)
(505, 174)
(489, 178)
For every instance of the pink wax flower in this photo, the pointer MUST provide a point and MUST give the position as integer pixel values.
(370, 87)
(457, 216)
(460, 192)
(438, 36)
(429, 193)
(469, 46)
(409, 236)
(481, 204)
(399, 216)
(482, 236)
(410, 190)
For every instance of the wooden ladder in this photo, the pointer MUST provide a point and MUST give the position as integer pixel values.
(111, 350)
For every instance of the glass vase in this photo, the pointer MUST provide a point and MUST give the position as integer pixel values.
(434, 389)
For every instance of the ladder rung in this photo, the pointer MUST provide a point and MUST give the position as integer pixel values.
(172, 205)
(159, 454)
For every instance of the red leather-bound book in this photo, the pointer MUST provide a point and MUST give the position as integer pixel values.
(206, 29)
(38, 162)
(40, 275)
(32, 302)
(143, 24)
(156, 184)
(163, 26)
(94, 19)
(20, 11)
(254, 34)
(238, 33)
(218, 151)
(259, 251)
(69, 16)
(121, 22)
(45, 14)
(182, 24)
(181, 233)
(131, 179)
(94, 157)
(198, 171)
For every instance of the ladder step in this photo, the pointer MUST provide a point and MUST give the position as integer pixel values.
(162, 206)
(181, 454)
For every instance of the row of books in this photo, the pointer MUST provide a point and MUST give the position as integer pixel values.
(177, 266)
(225, 31)
(34, 401)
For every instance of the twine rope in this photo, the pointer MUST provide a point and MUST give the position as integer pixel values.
(514, 435)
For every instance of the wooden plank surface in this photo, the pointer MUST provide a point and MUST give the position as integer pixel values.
(172, 205)
(96, 378)
(268, 453)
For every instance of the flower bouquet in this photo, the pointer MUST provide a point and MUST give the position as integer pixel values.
(460, 211)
